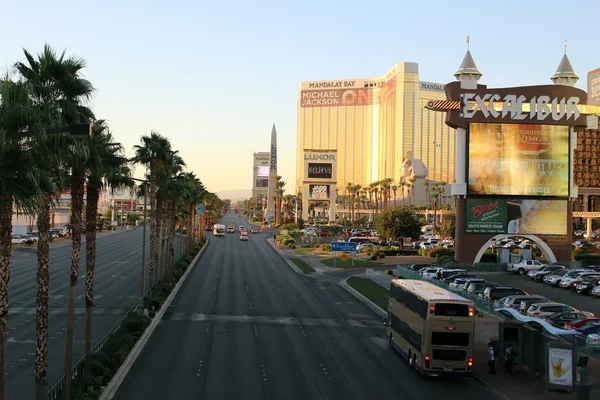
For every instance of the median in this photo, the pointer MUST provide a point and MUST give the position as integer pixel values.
(371, 290)
(302, 265)
(348, 263)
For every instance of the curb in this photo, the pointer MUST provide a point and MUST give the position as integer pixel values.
(490, 388)
(288, 261)
(111, 389)
(362, 298)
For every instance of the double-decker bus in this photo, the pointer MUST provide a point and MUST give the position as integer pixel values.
(219, 230)
(431, 327)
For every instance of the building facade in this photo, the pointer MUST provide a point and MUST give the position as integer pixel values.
(375, 125)
(260, 178)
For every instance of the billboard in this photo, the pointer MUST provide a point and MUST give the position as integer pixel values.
(320, 170)
(262, 182)
(593, 87)
(517, 216)
(318, 192)
(518, 160)
(336, 97)
(262, 170)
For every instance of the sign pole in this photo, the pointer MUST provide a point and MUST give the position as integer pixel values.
(334, 259)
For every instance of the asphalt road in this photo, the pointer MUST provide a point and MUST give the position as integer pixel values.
(117, 288)
(245, 326)
(554, 293)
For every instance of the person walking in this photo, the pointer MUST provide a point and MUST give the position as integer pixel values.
(491, 359)
(509, 358)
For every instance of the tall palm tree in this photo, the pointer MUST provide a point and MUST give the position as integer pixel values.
(106, 167)
(279, 190)
(19, 182)
(152, 153)
(58, 89)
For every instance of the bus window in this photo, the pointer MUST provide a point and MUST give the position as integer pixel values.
(451, 310)
(449, 339)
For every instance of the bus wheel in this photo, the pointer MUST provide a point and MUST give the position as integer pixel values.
(414, 361)
(391, 341)
(410, 358)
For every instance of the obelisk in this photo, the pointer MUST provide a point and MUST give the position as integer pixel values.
(270, 210)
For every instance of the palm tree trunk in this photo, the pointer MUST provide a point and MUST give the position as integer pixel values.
(6, 203)
(172, 237)
(42, 284)
(76, 208)
(153, 227)
(91, 214)
(158, 241)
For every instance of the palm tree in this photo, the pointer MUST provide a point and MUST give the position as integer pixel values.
(394, 189)
(19, 183)
(279, 190)
(152, 153)
(349, 187)
(58, 89)
(106, 166)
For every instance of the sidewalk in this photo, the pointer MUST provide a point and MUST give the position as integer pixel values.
(520, 385)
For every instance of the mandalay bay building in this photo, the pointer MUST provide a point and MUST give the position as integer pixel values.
(374, 125)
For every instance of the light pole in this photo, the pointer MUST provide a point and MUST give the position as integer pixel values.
(146, 182)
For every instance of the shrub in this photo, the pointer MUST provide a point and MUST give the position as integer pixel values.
(445, 259)
(381, 254)
(373, 257)
(440, 251)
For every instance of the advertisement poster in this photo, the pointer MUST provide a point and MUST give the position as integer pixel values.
(320, 170)
(560, 364)
(262, 170)
(518, 160)
(518, 216)
(262, 182)
(336, 97)
(318, 192)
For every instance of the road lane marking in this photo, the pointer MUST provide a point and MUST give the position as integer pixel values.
(255, 320)
(64, 311)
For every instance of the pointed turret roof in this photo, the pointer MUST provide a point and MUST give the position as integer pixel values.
(565, 69)
(467, 67)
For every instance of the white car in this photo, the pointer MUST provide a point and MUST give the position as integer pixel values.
(18, 239)
(555, 279)
(546, 270)
(523, 266)
(547, 309)
(566, 281)
(430, 272)
(460, 282)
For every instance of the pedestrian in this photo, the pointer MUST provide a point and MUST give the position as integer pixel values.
(438, 275)
(492, 359)
(509, 358)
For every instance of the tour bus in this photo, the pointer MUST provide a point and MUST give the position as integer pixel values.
(431, 327)
(219, 230)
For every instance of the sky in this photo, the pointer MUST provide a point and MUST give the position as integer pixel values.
(215, 76)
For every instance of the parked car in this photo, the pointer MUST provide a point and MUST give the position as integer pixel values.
(548, 308)
(479, 287)
(514, 301)
(497, 292)
(416, 267)
(460, 282)
(538, 275)
(525, 303)
(523, 266)
(582, 322)
(560, 318)
(556, 279)
(587, 284)
(565, 282)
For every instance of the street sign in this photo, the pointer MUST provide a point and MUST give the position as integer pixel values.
(344, 256)
(370, 272)
(200, 209)
(343, 247)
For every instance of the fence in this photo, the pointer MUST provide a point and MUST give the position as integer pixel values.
(57, 391)
(495, 267)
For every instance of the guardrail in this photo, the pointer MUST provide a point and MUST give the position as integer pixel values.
(57, 391)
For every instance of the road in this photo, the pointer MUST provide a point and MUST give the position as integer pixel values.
(554, 293)
(245, 326)
(117, 287)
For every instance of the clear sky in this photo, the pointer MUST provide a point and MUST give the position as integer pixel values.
(213, 76)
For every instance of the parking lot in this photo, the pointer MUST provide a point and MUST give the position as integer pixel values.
(554, 293)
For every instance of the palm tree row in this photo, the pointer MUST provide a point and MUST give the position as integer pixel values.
(39, 161)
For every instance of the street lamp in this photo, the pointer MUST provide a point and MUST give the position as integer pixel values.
(147, 182)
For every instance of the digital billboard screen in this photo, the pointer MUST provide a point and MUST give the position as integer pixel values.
(262, 182)
(518, 160)
(320, 170)
(262, 170)
(517, 216)
(318, 192)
